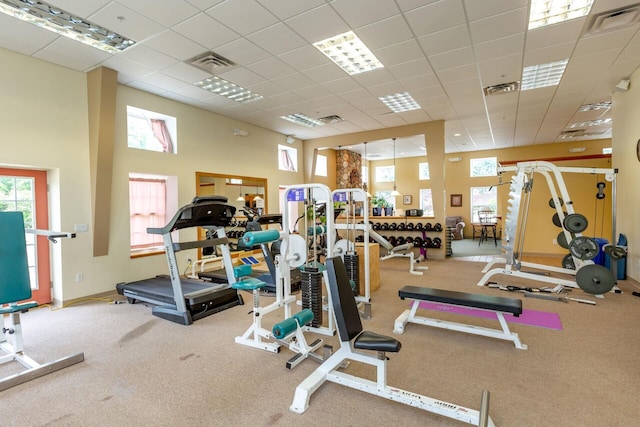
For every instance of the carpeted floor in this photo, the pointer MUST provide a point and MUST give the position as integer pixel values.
(141, 370)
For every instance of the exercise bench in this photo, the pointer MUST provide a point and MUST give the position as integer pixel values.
(498, 305)
(15, 291)
(370, 348)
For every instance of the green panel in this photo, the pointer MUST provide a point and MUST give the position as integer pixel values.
(14, 270)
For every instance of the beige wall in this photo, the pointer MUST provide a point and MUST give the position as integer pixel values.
(45, 123)
(626, 133)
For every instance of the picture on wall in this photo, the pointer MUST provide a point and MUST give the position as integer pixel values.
(406, 200)
(456, 200)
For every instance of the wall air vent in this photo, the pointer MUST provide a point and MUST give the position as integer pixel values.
(614, 19)
(329, 120)
(212, 63)
(502, 88)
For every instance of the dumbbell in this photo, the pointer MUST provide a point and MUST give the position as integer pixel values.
(384, 226)
(419, 226)
(437, 227)
(436, 242)
(428, 227)
(427, 242)
(402, 226)
(401, 240)
(410, 226)
(393, 226)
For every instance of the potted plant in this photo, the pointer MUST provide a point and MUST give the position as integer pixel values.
(376, 205)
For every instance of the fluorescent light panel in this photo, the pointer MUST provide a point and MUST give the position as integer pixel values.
(400, 102)
(598, 122)
(303, 120)
(349, 53)
(65, 24)
(227, 89)
(596, 106)
(543, 75)
(548, 12)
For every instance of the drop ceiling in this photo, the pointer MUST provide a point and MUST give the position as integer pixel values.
(442, 52)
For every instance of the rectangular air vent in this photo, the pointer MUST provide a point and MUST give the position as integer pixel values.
(614, 19)
(501, 88)
(212, 63)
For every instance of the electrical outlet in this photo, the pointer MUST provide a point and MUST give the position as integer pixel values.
(555, 241)
(81, 228)
(79, 277)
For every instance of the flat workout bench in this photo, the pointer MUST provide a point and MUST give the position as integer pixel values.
(498, 305)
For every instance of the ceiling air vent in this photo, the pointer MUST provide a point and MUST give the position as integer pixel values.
(614, 19)
(329, 120)
(212, 63)
(501, 88)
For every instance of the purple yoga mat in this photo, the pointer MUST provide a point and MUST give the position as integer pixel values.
(542, 319)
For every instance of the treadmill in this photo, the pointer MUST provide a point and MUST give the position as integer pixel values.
(182, 300)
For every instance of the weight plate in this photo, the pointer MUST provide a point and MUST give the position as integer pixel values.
(562, 240)
(615, 252)
(595, 279)
(584, 248)
(568, 262)
(556, 219)
(297, 250)
(553, 204)
(575, 223)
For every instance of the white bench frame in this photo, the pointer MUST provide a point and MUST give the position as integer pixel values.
(409, 316)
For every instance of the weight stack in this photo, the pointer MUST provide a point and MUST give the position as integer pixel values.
(351, 262)
(447, 241)
(311, 286)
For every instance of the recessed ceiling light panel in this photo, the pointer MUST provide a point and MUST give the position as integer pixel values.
(228, 90)
(548, 12)
(399, 102)
(349, 53)
(303, 120)
(598, 122)
(543, 75)
(65, 24)
(595, 106)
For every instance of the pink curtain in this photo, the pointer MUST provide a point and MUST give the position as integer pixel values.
(161, 132)
(285, 160)
(147, 207)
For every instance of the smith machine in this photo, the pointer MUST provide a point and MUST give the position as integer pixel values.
(589, 276)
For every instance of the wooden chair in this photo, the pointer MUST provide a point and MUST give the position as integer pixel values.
(489, 223)
(15, 286)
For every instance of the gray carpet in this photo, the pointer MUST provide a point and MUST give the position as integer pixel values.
(141, 370)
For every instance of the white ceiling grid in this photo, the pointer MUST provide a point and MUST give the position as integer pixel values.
(443, 52)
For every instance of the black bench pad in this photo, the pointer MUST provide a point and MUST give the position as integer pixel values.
(367, 340)
(486, 302)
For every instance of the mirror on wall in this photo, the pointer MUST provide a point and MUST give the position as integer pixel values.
(241, 191)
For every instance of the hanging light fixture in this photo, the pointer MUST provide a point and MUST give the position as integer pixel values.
(395, 191)
(257, 195)
(240, 196)
(364, 181)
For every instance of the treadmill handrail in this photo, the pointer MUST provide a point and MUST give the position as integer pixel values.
(202, 214)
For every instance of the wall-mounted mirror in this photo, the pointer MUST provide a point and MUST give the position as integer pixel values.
(240, 190)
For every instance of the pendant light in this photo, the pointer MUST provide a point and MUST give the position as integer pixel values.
(240, 197)
(364, 182)
(257, 195)
(395, 191)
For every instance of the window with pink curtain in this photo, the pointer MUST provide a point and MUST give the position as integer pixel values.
(161, 132)
(147, 207)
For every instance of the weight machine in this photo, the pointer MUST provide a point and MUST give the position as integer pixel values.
(590, 277)
(15, 287)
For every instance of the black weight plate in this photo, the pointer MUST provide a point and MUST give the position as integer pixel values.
(615, 252)
(595, 279)
(562, 240)
(556, 219)
(584, 248)
(568, 262)
(553, 204)
(575, 223)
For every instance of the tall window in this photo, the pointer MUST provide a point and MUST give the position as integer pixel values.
(321, 165)
(483, 199)
(426, 202)
(423, 171)
(152, 201)
(487, 166)
(385, 173)
(148, 130)
(287, 158)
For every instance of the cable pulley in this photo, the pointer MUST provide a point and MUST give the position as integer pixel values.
(600, 186)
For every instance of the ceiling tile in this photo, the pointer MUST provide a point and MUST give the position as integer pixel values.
(277, 39)
(242, 16)
(205, 31)
(436, 16)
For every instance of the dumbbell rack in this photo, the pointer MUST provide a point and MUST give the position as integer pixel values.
(407, 225)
